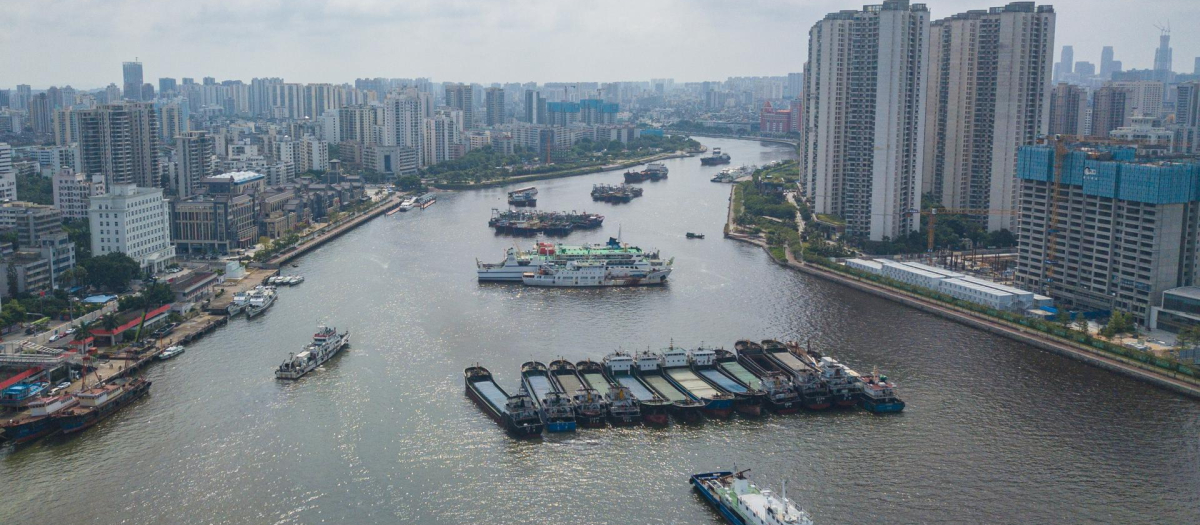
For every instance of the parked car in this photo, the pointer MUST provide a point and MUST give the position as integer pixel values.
(56, 337)
(70, 330)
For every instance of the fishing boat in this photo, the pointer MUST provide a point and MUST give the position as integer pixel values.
(99, 402)
(170, 352)
(21, 394)
(676, 367)
(238, 304)
(876, 393)
(326, 343)
(691, 235)
(261, 298)
(622, 406)
(773, 389)
(517, 414)
(590, 408)
(554, 406)
(684, 407)
(812, 394)
(743, 503)
(619, 370)
(706, 364)
(38, 421)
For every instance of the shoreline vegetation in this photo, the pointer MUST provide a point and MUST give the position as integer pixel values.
(759, 218)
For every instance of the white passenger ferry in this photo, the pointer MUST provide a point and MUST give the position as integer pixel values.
(517, 262)
(617, 272)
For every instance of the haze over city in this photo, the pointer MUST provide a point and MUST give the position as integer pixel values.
(82, 43)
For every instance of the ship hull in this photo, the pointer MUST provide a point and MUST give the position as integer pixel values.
(78, 423)
(747, 405)
(292, 375)
(713, 499)
(708, 161)
(24, 432)
(651, 279)
(591, 420)
(620, 419)
(523, 203)
(551, 424)
(881, 407)
(783, 407)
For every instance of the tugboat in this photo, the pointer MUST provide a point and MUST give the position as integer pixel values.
(99, 402)
(170, 352)
(590, 409)
(742, 503)
(555, 406)
(326, 343)
(878, 395)
(747, 400)
(717, 157)
(523, 197)
(683, 406)
(517, 414)
(39, 421)
(619, 369)
(622, 405)
(691, 235)
(676, 368)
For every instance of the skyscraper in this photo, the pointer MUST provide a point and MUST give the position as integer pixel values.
(460, 97)
(120, 141)
(197, 161)
(39, 114)
(1162, 55)
(1066, 64)
(988, 95)
(535, 107)
(1106, 63)
(1068, 110)
(864, 102)
(494, 103)
(167, 87)
(133, 80)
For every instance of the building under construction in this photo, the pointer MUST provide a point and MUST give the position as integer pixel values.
(1102, 228)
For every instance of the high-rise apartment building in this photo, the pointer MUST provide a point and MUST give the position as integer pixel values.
(1113, 233)
(1145, 97)
(1068, 110)
(404, 121)
(120, 141)
(23, 95)
(8, 176)
(40, 111)
(1111, 109)
(73, 192)
(174, 121)
(795, 85)
(460, 97)
(197, 161)
(493, 103)
(358, 124)
(535, 107)
(988, 94)
(864, 110)
(440, 135)
(132, 74)
(260, 94)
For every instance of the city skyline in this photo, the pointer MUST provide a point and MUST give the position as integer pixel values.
(312, 42)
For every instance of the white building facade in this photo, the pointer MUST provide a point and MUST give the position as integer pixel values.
(135, 221)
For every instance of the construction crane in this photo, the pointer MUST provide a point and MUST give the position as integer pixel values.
(932, 213)
(1050, 249)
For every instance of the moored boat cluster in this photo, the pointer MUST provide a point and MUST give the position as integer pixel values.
(521, 222)
(676, 384)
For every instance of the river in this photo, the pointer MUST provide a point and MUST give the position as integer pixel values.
(995, 431)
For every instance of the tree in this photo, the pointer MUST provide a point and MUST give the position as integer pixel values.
(110, 322)
(80, 233)
(409, 183)
(1188, 337)
(111, 271)
(1063, 317)
(84, 331)
(1119, 323)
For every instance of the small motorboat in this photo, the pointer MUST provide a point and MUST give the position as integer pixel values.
(170, 352)
(691, 235)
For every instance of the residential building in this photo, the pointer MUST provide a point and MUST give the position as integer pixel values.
(594, 111)
(65, 122)
(1068, 110)
(134, 221)
(167, 87)
(73, 192)
(403, 122)
(460, 97)
(39, 114)
(1145, 97)
(988, 95)
(53, 159)
(1149, 131)
(399, 160)
(864, 111)
(132, 75)
(174, 121)
(1114, 233)
(31, 271)
(197, 161)
(535, 107)
(494, 106)
(1110, 110)
(8, 175)
(359, 124)
(440, 134)
(120, 141)
(30, 221)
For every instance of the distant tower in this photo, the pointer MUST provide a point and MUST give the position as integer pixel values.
(1106, 63)
(1066, 64)
(133, 81)
(1162, 55)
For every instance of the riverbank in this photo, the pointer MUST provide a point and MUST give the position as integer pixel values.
(324, 235)
(1131, 368)
(793, 143)
(565, 173)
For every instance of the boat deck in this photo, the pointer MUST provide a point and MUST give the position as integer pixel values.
(722, 381)
(664, 387)
(790, 360)
(636, 387)
(569, 382)
(596, 381)
(692, 382)
(491, 391)
(737, 370)
(540, 385)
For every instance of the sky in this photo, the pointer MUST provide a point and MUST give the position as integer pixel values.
(83, 42)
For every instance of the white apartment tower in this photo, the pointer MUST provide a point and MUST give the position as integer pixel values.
(863, 126)
(197, 161)
(988, 94)
(134, 221)
(8, 176)
(403, 122)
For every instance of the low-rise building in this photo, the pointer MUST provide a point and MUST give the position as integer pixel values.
(195, 287)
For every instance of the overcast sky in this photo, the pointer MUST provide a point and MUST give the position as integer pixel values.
(83, 42)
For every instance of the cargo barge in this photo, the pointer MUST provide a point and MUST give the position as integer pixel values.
(554, 406)
(676, 366)
(623, 407)
(654, 408)
(99, 402)
(648, 368)
(517, 414)
(590, 408)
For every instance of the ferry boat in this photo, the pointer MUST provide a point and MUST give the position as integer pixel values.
(743, 503)
(877, 394)
(619, 370)
(804, 382)
(238, 304)
(622, 406)
(590, 408)
(676, 367)
(407, 204)
(170, 352)
(683, 406)
(554, 406)
(517, 414)
(746, 400)
(516, 262)
(99, 402)
(326, 343)
(261, 298)
(614, 272)
(523, 197)
(38, 422)
(21, 394)
(717, 157)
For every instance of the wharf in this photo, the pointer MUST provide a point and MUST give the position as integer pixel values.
(318, 238)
